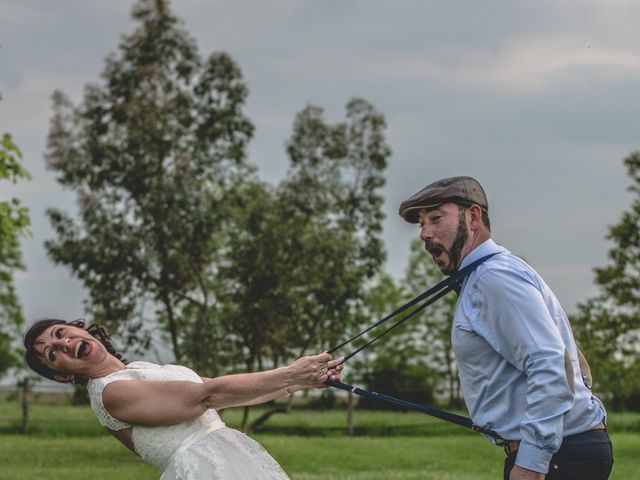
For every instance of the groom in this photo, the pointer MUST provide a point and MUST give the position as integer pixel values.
(517, 358)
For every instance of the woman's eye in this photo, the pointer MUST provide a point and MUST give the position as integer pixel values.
(59, 333)
(52, 356)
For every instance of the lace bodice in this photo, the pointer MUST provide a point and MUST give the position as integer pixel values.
(155, 445)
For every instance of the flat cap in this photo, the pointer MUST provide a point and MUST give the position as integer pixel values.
(462, 190)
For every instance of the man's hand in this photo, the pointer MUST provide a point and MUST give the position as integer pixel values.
(519, 473)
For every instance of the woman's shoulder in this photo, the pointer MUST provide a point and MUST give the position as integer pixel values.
(97, 385)
(141, 370)
(142, 365)
(130, 372)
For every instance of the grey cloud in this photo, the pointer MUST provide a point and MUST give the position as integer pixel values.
(537, 99)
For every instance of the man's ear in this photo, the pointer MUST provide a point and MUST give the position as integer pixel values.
(66, 378)
(475, 215)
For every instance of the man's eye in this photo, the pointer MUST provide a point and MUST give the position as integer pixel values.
(59, 333)
(436, 218)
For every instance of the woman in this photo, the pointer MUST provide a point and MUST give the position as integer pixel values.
(167, 413)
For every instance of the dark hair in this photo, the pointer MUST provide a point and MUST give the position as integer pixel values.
(485, 214)
(34, 358)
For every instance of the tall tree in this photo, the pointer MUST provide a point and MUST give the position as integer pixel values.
(607, 326)
(152, 152)
(14, 224)
(303, 251)
(333, 202)
(174, 225)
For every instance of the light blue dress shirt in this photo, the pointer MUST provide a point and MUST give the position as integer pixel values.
(510, 336)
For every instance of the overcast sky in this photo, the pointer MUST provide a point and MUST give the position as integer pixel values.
(537, 100)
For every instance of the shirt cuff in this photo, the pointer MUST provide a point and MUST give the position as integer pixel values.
(533, 458)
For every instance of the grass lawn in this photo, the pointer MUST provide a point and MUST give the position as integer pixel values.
(310, 445)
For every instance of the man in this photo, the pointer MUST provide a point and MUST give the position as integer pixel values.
(518, 363)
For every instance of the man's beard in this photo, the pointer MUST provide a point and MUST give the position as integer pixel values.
(455, 253)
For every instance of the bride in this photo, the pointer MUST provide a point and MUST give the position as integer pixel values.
(167, 413)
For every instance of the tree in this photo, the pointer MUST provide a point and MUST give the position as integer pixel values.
(415, 360)
(396, 365)
(153, 153)
(173, 224)
(433, 326)
(333, 204)
(303, 251)
(606, 326)
(14, 224)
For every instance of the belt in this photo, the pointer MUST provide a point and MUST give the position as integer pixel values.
(512, 446)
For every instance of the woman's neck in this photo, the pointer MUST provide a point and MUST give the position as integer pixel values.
(110, 365)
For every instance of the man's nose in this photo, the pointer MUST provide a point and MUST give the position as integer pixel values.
(425, 233)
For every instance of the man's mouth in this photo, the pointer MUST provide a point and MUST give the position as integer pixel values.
(435, 252)
(82, 349)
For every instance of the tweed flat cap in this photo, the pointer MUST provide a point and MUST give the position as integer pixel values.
(463, 190)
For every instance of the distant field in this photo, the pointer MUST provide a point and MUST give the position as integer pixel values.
(310, 445)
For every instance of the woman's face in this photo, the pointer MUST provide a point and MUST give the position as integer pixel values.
(70, 351)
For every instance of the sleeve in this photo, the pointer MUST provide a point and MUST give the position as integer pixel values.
(515, 321)
(96, 387)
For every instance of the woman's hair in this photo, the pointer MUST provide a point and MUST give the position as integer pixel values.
(34, 358)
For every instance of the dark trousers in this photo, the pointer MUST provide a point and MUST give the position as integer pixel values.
(585, 456)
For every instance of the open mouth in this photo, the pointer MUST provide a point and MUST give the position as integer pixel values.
(82, 349)
(435, 252)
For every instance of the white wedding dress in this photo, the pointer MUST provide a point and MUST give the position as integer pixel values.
(202, 449)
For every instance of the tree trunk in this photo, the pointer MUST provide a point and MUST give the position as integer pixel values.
(245, 419)
(26, 387)
(272, 411)
(451, 373)
(173, 325)
(257, 423)
(452, 391)
(165, 294)
(350, 408)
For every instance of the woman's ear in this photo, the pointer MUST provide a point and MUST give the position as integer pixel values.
(66, 378)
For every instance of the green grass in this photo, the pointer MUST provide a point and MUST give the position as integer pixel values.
(310, 445)
(387, 457)
(31, 457)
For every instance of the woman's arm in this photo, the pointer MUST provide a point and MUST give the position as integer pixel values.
(156, 403)
(334, 369)
(262, 398)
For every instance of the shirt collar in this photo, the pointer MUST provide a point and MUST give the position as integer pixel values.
(485, 248)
